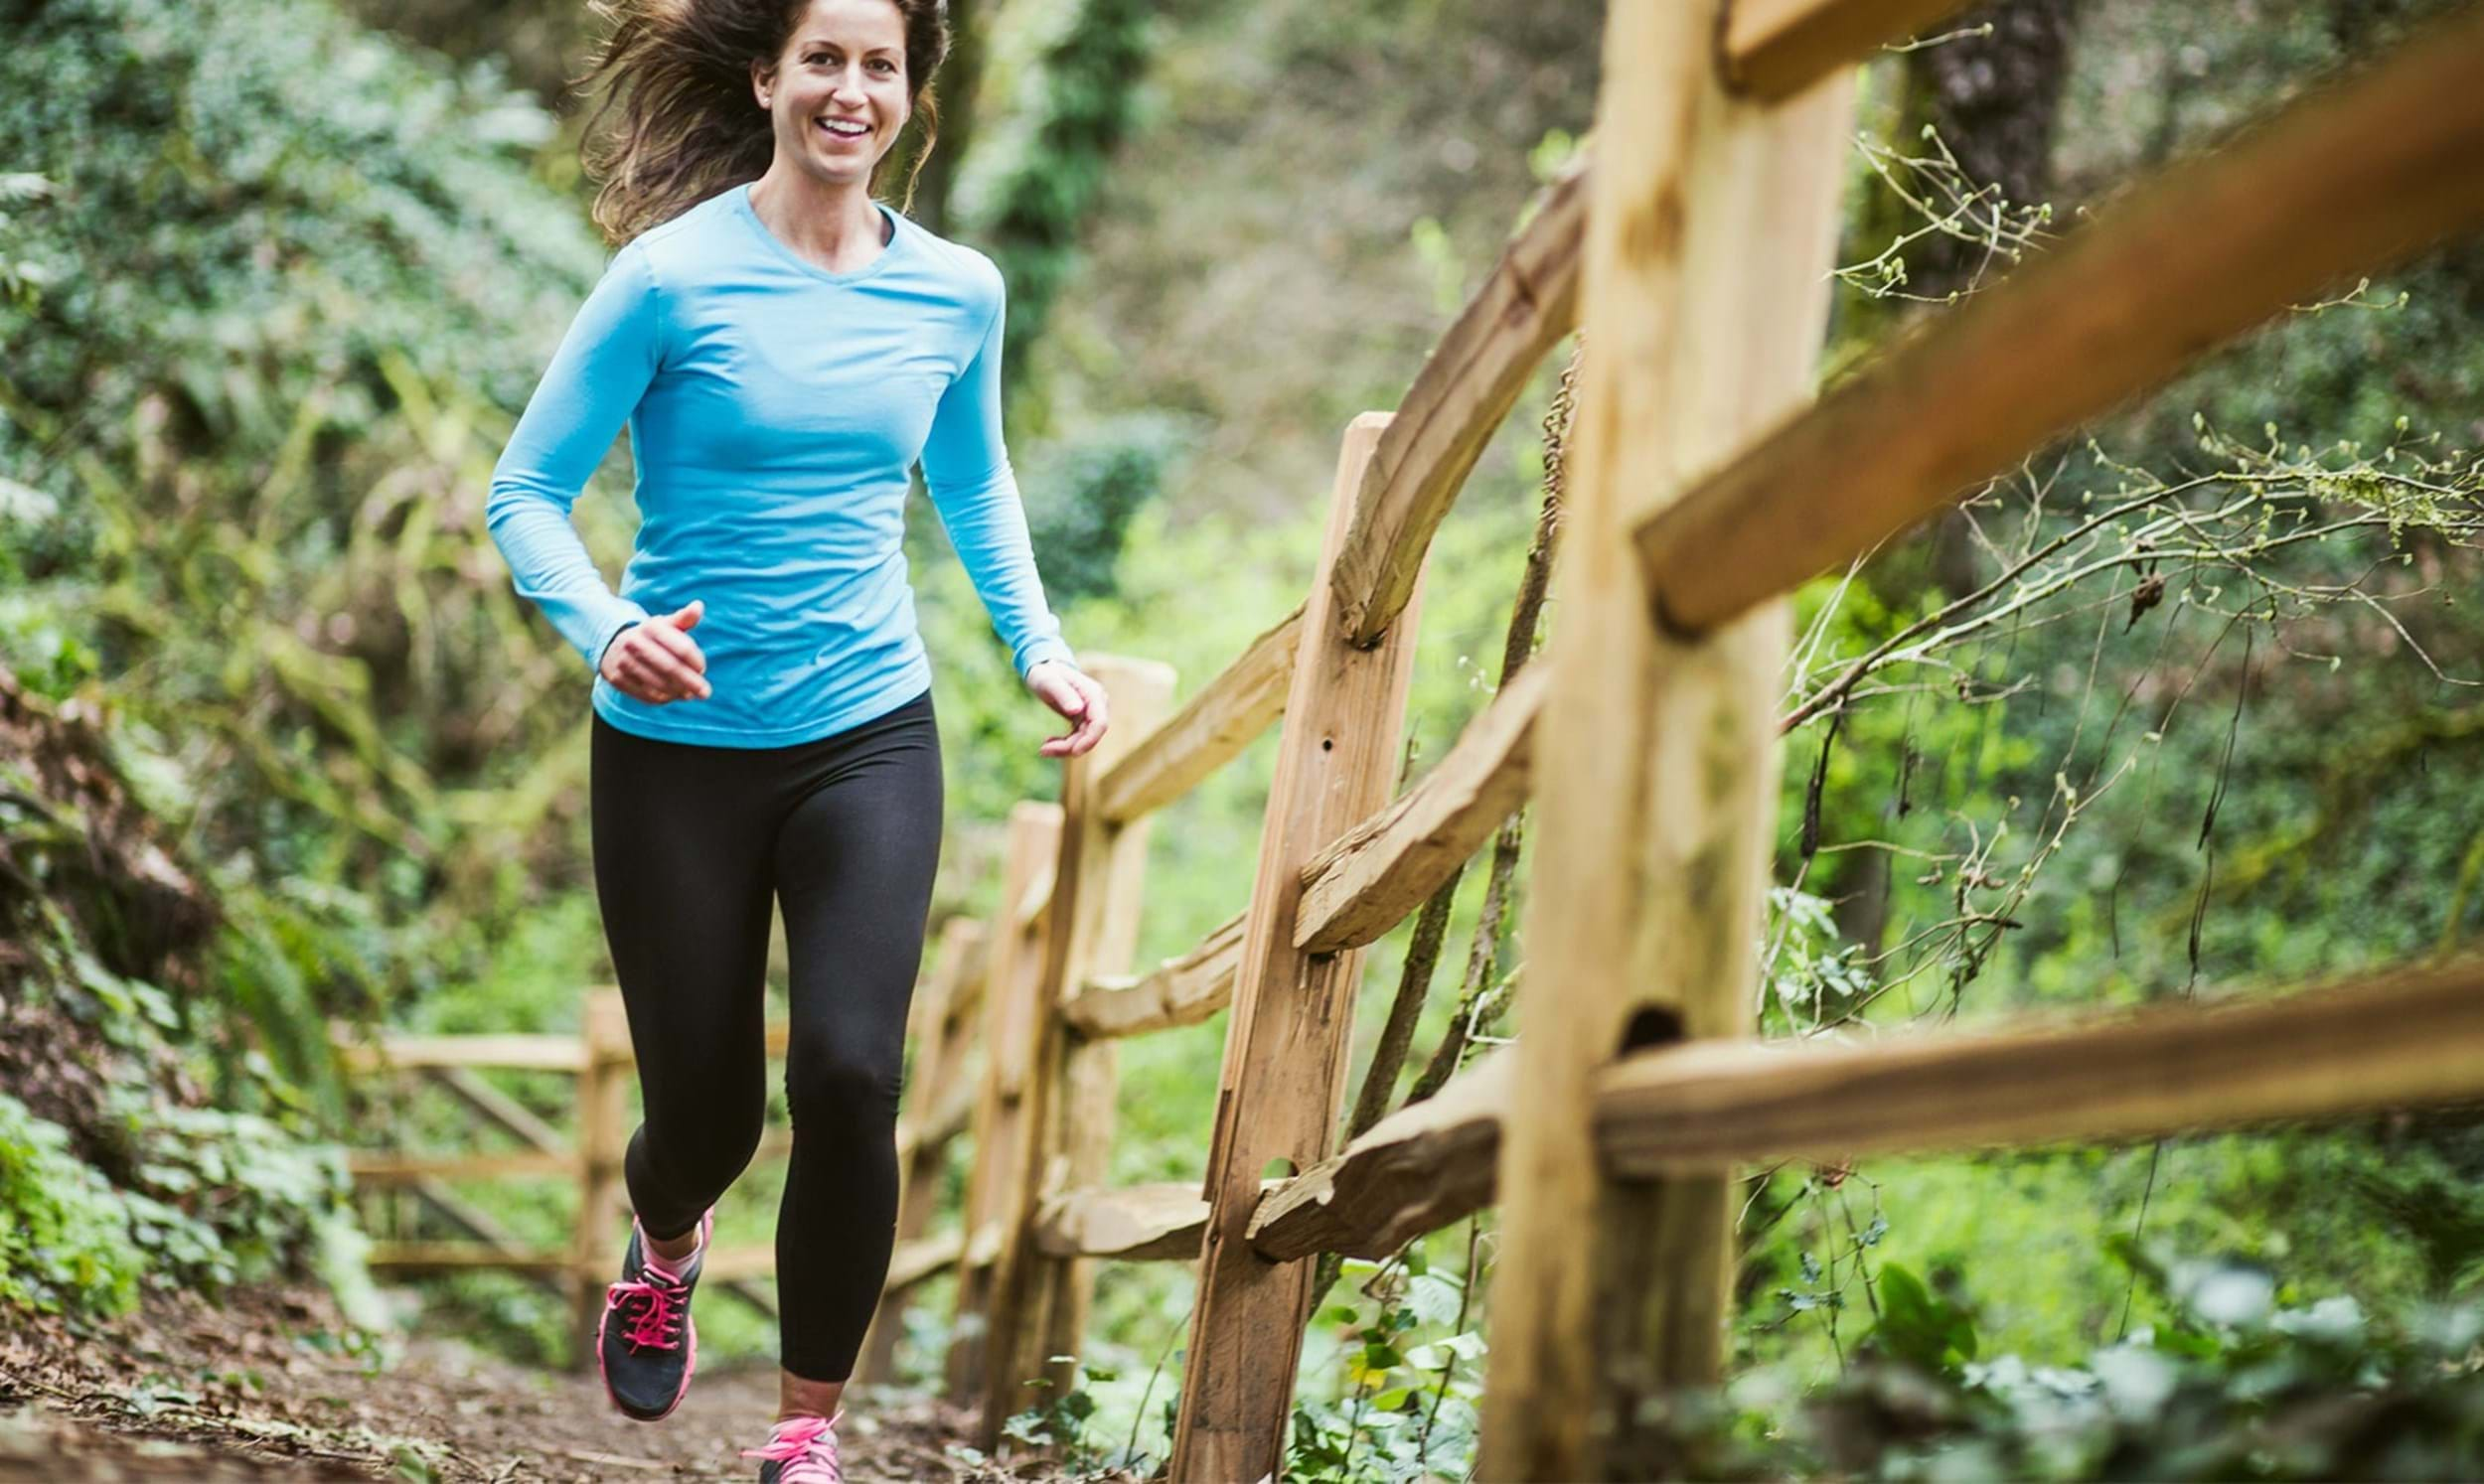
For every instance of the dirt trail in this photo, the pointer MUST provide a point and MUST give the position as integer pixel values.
(250, 1390)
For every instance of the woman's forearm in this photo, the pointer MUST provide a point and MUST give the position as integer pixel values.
(595, 379)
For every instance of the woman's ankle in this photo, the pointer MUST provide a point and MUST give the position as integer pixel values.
(672, 1251)
(799, 1397)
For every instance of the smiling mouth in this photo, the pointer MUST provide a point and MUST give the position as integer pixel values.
(844, 129)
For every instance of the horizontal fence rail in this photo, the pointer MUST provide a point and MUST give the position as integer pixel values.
(1181, 991)
(1778, 47)
(2405, 1039)
(412, 1258)
(2399, 1040)
(2349, 179)
(515, 1052)
(1133, 1223)
(1466, 386)
(404, 1169)
(1415, 1171)
(1383, 868)
(1228, 715)
(924, 1258)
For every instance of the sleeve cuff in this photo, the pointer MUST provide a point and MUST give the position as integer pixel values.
(623, 615)
(1042, 650)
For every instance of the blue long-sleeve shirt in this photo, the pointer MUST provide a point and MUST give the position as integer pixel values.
(775, 411)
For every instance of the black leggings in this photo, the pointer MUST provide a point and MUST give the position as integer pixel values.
(692, 845)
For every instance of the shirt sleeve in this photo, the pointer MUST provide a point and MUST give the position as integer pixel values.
(595, 380)
(966, 466)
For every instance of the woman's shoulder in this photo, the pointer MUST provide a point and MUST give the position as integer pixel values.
(976, 276)
(660, 245)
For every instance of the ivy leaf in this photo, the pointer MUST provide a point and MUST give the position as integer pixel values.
(1919, 1327)
(1433, 1300)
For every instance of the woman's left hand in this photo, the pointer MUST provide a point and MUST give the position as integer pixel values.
(1077, 696)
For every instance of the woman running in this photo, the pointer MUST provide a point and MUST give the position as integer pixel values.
(783, 349)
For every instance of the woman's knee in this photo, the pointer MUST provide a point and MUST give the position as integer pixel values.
(836, 1083)
(708, 1145)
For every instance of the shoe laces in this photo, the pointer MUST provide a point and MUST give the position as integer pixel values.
(807, 1446)
(655, 1307)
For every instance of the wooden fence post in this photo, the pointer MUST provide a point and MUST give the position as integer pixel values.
(1292, 1029)
(941, 1043)
(1099, 877)
(1710, 235)
(1039, 1303)
(1011, 1017)
(603, 1135)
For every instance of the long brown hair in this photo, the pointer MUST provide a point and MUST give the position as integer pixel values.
(679, 73)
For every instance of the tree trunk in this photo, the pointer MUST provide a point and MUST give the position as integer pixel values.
(1996, 101)
(961, 78)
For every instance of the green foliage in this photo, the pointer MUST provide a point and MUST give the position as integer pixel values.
(217, 1198)
(1082, 492)
(1992, 774)
(247, 436)
(291, 197)
(1410, 1354)
(1811, 976)
(1030, 213)
(1027, 196)
(1061, 1421)
(257, 1189)
(264, 272)
(2216, 742)
(67, 1244)
(144, 1180)
(21, 278)
(1929, 1332)
(2242, 1381)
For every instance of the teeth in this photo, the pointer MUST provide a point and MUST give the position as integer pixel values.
(847, 130)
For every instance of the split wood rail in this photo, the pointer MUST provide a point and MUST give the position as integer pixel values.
(1705, 482)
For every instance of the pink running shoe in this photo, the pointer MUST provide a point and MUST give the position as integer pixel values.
(802, 1451)
(645, 1344)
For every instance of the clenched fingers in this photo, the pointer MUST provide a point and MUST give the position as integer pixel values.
(654, 667)
(677, 644)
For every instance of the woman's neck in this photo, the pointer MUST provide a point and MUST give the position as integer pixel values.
(837, 227)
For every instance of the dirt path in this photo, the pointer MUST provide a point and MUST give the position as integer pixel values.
(260, 1390)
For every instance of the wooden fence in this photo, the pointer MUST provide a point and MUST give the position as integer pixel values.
(941, 1022)
(1704, 484)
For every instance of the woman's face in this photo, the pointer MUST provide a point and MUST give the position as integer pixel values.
(838, 92)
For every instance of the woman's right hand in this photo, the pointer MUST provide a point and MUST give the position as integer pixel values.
(658, 662)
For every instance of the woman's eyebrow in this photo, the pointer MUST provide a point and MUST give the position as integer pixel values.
(823, 41)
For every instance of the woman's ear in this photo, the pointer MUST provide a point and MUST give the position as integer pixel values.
(762, 77)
